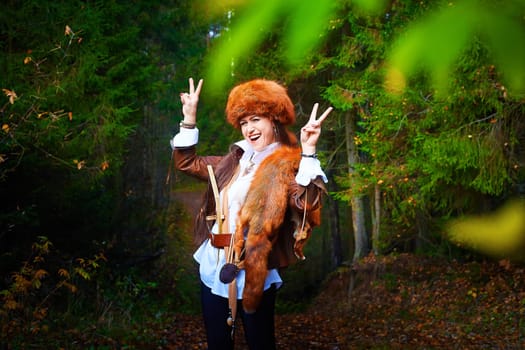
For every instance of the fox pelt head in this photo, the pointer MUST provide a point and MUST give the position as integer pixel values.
(264, 211)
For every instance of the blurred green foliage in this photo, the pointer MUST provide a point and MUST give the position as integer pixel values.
(435, 42)
(432, 42)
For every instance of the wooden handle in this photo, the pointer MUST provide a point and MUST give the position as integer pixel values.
(218, 207)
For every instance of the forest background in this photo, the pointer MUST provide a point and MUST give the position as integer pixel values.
(94, 226)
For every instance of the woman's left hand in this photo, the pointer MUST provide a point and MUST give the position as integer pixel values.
(311, 131)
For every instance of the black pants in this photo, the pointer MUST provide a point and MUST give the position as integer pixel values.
(259, 328)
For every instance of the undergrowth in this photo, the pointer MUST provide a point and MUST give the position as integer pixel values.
(83, 303)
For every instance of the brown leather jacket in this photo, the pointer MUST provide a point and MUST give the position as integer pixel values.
(187, 160)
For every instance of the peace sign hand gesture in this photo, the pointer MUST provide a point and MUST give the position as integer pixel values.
(311, 131)
(190, 101)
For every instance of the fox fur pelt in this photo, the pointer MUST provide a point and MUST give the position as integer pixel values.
(266, 208)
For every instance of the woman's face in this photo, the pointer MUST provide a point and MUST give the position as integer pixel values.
(258, 131)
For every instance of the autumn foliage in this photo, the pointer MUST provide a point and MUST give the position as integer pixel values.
(34, 289)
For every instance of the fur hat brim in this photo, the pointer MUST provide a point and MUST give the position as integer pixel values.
(265, 98)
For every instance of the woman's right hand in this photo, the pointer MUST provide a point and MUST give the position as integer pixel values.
(190, 100)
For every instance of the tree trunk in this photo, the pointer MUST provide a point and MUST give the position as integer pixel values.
(422, 229)
(376, 219)
(358, 215)
(333, 215)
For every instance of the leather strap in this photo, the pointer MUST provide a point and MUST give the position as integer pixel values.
(220, 240)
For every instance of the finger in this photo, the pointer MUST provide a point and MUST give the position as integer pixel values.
(192, 86)
(199, 87)
(324, 115)
(184, 97)
(314, 112)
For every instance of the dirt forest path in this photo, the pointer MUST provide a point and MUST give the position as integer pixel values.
(190, 199)
(396, 302)
(313, 329)
(399, 302)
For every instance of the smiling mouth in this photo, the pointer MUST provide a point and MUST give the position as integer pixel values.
(254, 137)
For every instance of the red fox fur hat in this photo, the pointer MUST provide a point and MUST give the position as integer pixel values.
(265, 98)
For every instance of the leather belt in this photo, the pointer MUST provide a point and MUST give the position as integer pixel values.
(220, 240)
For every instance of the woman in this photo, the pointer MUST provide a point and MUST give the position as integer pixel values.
(270, 154)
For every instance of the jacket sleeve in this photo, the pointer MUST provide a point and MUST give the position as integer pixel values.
(309, 196)
(186, 160)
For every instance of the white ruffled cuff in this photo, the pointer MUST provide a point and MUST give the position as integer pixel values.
(309, 169)
(185, 138)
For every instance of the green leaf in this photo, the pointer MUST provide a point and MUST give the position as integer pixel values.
(305, 31)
